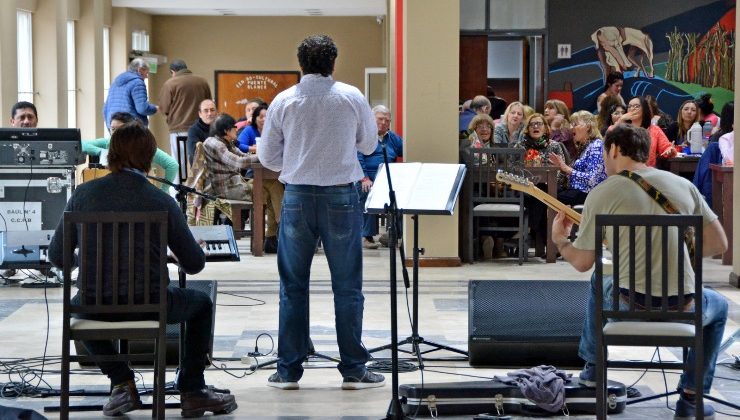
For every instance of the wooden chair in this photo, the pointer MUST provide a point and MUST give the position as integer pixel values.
(633, 324)
(490, 198)
(115, 270)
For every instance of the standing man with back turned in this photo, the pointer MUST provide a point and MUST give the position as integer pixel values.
(179, 100)
(312, 135)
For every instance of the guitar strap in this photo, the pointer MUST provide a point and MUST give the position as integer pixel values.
(666, 205)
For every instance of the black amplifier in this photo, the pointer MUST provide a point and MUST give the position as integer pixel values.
(40, 147)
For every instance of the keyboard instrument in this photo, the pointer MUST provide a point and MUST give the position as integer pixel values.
(220, 242)
(25, 249)
(29, 249)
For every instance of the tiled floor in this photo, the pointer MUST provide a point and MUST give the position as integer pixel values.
(251, 308)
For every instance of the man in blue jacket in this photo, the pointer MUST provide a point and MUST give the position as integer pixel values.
(128, 93)
(370, 163)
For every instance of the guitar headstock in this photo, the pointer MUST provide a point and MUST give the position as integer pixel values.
(513, 180)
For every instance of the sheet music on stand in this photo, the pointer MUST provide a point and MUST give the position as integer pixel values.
(421, 188)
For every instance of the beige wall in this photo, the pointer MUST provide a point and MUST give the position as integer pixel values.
(50, 65)
(431, 89)
(258, 43)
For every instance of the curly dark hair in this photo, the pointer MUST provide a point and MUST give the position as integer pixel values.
(633, 142)
(317, 54)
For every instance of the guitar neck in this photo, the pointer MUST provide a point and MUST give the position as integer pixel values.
(554, 203)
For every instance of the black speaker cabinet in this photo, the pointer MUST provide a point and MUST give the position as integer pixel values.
(525, 323)
(210, 287)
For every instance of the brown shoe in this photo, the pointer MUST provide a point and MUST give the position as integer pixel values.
(123, 398)
(195, 404)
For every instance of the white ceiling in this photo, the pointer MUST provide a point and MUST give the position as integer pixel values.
(257, 7)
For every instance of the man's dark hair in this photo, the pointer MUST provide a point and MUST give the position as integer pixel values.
(255, 114)
(23, 105)
(727, 117)
(131, 146)
(221, 125)
(177, 65)
(123, 117)
(647, 114)
(317, 54)
(633, 142)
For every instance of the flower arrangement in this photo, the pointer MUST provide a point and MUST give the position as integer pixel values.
(533, 158)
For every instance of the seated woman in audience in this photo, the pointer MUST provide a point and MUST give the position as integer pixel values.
(247, 140)
(705, 107)
(678, 130)
(726, 121)
(481, 132)
(588, 170)
(612, 87)
(727, 148)
(557, 116)
(161, 159)
(538, 148)
(225, 163)
(481, 135)
(606, 117)
(509, 131)
(638, 114)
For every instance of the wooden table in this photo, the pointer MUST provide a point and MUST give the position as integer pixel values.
(684, 166)
(549, 175)
(722, 203)
(260, 173)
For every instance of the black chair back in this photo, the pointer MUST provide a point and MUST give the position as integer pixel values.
(644, 232)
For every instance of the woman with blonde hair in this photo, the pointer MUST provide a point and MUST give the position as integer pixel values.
(509, 131)
(588, 170)
(688, 114)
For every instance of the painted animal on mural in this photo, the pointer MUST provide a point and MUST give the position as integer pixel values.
(610, 47)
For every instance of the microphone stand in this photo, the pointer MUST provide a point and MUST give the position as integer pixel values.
(182, 198)
(395, 410)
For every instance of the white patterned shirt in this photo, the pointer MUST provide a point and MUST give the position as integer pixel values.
(314, 130)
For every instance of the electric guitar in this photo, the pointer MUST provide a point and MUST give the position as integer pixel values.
(520, 183)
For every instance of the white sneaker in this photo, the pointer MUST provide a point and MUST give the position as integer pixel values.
(369, 245)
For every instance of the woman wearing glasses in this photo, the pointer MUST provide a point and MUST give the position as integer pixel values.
(538, 149)
(639, 115)
(225, 164)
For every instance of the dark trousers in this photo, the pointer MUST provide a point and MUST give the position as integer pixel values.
(183, 305)
(572, 197)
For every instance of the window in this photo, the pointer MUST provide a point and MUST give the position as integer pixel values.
(71, 76)
(25, 56)
(140, 41)
(106, 61)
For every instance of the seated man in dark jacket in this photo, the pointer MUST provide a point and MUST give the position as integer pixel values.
(126, 189)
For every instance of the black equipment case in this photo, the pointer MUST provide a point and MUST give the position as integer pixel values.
(477, 397)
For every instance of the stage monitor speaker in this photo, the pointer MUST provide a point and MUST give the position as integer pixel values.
(210, 287)
(525, 323)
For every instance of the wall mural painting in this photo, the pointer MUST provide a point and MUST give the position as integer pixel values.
(674, 59)
(235, 88)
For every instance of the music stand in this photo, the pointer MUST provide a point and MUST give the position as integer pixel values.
(420, 188)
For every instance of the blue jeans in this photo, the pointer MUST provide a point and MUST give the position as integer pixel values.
(714, 319)
(369, 221)
(334, 215)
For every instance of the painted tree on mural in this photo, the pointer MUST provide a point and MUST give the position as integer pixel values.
(707, 61)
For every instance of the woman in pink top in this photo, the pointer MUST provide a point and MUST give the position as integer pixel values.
(706, 110)
(638, 114)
